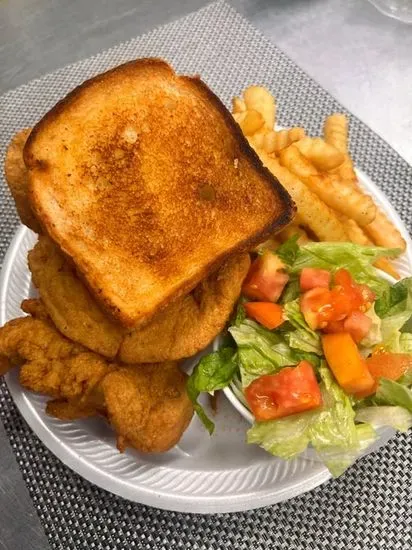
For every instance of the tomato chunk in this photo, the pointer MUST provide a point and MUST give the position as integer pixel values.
(290, 391)
(389, 365)
(386, 365)
(346, 363)
(314, 278)
(324, 308)
(358, 325)
(361, 296)
(266, 279)
(321, 305)
(268, 314)
(334, 326)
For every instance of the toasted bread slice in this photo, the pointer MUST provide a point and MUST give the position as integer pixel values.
(145, 180)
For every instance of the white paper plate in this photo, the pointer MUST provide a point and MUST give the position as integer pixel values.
(202, 474)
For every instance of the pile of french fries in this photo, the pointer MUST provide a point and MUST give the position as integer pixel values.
(319, 174)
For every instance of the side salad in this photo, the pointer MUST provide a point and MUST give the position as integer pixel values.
(319, 350)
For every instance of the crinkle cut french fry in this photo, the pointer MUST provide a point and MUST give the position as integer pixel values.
(381, 230)
(291, 158)
(238, 105)
(358, 236)
(269, 142)
(273, 141)
(314, 213)
(351, 202)
(346, 171)
(385, 265)
(335, 131)
(323, 156)
(258, 138)
(355, 233)
(250, 122)
(296, 133)
(270, 244)
(239, 117)
(259, 99)
(278, 140)
(338, 196)
(292, 230)
(384, 233)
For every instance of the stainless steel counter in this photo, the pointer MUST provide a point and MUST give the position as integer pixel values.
(363, 58)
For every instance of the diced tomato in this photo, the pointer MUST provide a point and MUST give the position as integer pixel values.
(268, 314)
(343, 278)
(389, 365)
(361, 296)
(358, 325)
(313, 305)
(368, 296)
(334, 326)
(386, 365)
(314, 278)
(292, 390)
(346, 363)
(321, 305)
(266, 278)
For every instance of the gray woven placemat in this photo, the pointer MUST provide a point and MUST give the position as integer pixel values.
(367, 508)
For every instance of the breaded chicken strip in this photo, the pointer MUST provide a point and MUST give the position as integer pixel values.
(189, 324)
(68, 302)
(17, 179)
(179, 331)
(35, 308)
(146, 404)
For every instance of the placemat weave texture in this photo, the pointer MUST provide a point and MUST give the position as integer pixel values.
(370, 507)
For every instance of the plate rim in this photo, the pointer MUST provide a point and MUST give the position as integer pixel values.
(224, 503)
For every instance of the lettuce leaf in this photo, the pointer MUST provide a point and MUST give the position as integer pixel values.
(396, 299)
(394, 308)
(239, 315)
(286, 437)
(331, 430)
(289, 250)
(303, 337)
(406, 379)
(292, 290)
(393, 340)
(356, 259)
(338, 458)
(374, 335)
(214, 372)
(394, 416)
(260, 351)
(390, 392)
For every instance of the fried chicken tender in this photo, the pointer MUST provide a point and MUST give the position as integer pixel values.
(17, 179)
(189, 324)
(68, 302)
(35, 308)
(146, 404)
(180, 330)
